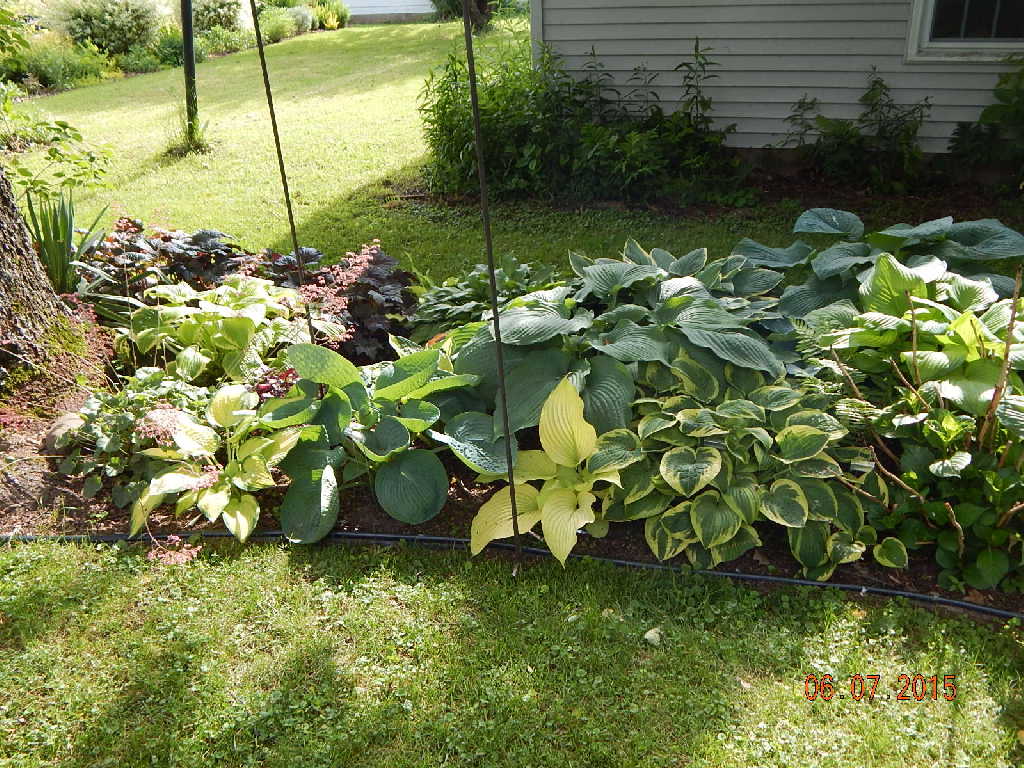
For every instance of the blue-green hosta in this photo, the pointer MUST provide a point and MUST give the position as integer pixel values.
(931, 346)
(836, 268)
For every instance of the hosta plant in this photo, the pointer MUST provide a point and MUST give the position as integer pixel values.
(215, 463)
(225, 332)
(837, 266)
(574, 466)
(937, 356)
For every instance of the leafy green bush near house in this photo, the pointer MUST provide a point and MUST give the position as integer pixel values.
(169, 47)
(211, 14)
(53, 61)
(277, 24)
(113, 26)
(547, 134)
(219, 40)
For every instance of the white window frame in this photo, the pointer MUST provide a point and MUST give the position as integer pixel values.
(921, 48)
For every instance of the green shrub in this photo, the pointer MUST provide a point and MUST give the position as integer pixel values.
(113, 26)
(303, 18)
(53, 61)
(276, 24)
(140, 59)
(219, 40)
(879, 148)
(169, 47)
(548, 134)
(210, 14)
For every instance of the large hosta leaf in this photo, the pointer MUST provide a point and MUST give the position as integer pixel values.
(785, 504)
(809, 543)
(801, 300)
(689, 470)
(616, 449)
(226, 403)
(743, 494)
(606, 278)
(822, 503)
(539, 322)
(412, 487)
(659, 538)
(759, 255)
(891, 552)
(471, 438)
(980, 241)
(934, 364)
(966, 294)
(887, 288)
(714, 520)
(841, 259)
(951, 467)
(528, 386)
(737, 349)
(829, 221)
(310, 507)
(323, 366)
(608, 394)
(494, 520)
(775, 398)
(800, 442)
(401, 377)
(563, 514)
(565, 435)
(629, 342)
(240, 515)
(388, 437)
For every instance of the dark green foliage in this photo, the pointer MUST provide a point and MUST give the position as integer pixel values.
(140, 60)
(113, 26)
(53, 62)
(879, 148)
(169, 47)
(456, 302)
(219, 40)
(550, 135)
(211, 14)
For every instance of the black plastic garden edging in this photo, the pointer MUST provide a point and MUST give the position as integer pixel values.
(453, 542)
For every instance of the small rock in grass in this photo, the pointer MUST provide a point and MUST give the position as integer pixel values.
(56, 437)
(653, 636)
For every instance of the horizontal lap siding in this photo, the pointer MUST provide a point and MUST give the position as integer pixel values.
(770, 53)
(368, 7)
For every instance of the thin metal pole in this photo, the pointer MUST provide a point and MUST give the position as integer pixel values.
(280, 158)
(485, 215)
(189, 56)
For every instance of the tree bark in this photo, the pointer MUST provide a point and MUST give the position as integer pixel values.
(29, 308)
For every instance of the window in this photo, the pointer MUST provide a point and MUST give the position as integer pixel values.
(979, 30)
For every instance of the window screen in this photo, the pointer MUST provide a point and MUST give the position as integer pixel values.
(978, 20)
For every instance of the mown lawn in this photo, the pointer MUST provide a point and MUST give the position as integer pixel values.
(273, 656)
(347, 105)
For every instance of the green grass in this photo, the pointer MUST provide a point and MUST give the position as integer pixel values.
(347, 106)
(274, 656)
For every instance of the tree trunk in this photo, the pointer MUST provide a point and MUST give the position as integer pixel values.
(29, 308)
(479, 13)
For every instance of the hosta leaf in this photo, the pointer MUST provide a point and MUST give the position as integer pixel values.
(773, 398)
(981, 240)
(388, 437)
(401, 377)
(841, 259)
(891, 552)
(310, 507)
(227, 401)
(800, 442)
(785, 504)
(849, 512)
(743, 494)
(988, 569)
(951, 467)
(494, 520)
(741, 409)
(809, 543)
(195, 439)
(663, 544)
(190, 362)
(606, 278)
(746, 539)
(175, 480)
(563, 514)
(212, 501)
(615, 450)
(412, 487)
(821, 501)
(843, 548)
(566, 436)
(689, 264)
(1010, 413)
(323, 366)
(737, 349)
(754, 282)
(689, 470)
(608, 394)
(926, 231)
(695, 380)
(240, 515)
(829, 221)
(418, 415)
(762, 256)
(973, 389)
(442, 382)
(966, 294)
(144, 504)
(819, 420)
(934, 364)
(284, 412)
(539, 322)
(629, 342)
(335, 415)
(528, 385)
(887, 287)
(471, 438)
(714, 521)
(814, 294)
(647, 506)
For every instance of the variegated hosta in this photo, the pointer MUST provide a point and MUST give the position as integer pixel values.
(572, 468)
(217, 466)
(737, 450)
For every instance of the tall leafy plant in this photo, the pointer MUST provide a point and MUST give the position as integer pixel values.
(58, 242)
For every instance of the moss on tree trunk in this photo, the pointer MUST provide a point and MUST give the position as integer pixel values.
(30, 312)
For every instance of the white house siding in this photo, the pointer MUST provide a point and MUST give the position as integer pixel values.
(382, 7)
(770, 52)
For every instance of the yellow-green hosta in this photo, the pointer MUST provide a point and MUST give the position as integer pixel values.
(572, 462)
